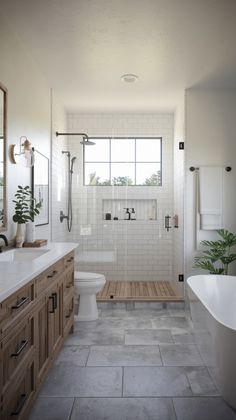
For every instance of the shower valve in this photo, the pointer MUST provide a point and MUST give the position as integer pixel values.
(63, 216)
(167, 223)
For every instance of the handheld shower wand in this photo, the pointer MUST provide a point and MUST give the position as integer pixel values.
(69, 216)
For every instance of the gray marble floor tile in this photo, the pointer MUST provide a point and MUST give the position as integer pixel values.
(159, 306)
(115, 323)
(179, 312)
(76, 381)
(123, 409)
(111, 305)
(171, 322)
(180, 355)
(73, 355)
(89, 337)
(204, 408)
(124, 356)
(155, 382)
(48, 408)
(200, 381)
(182, 336)
(175, 305)
(147, 337)
(140, 313)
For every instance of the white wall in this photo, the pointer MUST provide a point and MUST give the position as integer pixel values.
(178, 192)
(210, 141)
(28, 112)
(140, 250)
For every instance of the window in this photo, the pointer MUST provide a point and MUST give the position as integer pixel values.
(123, 161)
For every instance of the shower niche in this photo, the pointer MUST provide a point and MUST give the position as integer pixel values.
(138, 209)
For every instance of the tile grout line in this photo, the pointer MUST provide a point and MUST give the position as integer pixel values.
(122, 389)
(86, 363)
(72, 408)
(173, 405)
(160, 354)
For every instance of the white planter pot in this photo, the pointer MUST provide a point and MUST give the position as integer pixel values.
(30, 232)
(20, 235)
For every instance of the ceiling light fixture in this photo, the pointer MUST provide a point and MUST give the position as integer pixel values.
(129, 78)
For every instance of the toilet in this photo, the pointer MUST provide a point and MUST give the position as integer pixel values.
(86, 286)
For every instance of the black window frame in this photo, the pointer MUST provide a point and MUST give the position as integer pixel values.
(133, 162)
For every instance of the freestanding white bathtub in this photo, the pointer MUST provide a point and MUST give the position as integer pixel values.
(213, 310)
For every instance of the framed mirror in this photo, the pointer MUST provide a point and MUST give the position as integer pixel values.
(3, 140)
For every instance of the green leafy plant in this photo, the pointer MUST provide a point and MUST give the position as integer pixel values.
(26, 207)
(217, 255)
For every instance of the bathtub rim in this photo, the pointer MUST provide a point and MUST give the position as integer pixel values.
(192, 279)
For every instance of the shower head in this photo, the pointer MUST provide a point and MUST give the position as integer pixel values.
(86, 141)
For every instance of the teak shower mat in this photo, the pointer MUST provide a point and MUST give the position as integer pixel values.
(138, 290)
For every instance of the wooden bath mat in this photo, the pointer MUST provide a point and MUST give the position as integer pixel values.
(150, 291)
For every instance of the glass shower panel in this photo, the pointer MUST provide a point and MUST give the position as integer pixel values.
(122, 250)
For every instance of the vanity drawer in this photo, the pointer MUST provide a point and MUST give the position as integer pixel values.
(17, 400)
(45, 279)
(68, 283)
(16, 348)
(69, 260)
(16, 305)
(68, 315)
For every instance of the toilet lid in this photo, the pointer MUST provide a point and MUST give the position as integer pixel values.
(80, 275)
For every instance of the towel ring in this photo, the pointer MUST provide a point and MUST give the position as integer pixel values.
(192, 169)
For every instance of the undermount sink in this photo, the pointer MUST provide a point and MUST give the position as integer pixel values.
(22, 254)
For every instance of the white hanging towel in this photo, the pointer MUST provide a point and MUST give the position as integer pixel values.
(211, 198)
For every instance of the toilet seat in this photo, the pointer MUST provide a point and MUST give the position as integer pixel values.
(84, 276)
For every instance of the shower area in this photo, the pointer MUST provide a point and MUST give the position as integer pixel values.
(131, 231)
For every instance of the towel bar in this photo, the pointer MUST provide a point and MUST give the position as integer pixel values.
(192, 168)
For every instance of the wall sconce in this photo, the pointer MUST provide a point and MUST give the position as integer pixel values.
(25, 149)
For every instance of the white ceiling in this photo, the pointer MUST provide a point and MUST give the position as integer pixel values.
(84, 46)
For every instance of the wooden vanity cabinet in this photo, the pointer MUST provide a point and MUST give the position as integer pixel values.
(31, 338)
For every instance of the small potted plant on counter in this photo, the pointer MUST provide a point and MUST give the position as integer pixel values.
(217, 255)
(26, 208)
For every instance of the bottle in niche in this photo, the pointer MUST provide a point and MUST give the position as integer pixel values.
(127, 213)
(133, 216)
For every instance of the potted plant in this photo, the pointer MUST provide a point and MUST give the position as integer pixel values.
(26, 207)
(217, 255)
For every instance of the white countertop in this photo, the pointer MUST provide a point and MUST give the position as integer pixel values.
(14, 275)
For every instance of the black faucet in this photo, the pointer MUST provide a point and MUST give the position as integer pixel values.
(5, 240)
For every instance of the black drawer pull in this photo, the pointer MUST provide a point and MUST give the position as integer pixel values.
(53, 308)
(21, 302)
(54, 295)
(21, 348)
(21, 404)
(69, 285)
(52, 275)
(70, 259)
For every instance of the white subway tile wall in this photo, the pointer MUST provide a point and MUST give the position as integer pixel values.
(121, 250)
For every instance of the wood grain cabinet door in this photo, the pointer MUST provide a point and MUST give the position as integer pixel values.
(42, 340)
(55, 324)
